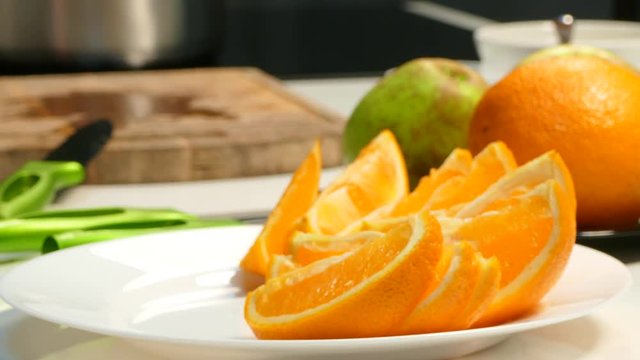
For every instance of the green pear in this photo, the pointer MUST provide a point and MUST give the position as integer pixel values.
(427, 103)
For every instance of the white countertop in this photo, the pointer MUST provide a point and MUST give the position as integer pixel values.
(611, 333)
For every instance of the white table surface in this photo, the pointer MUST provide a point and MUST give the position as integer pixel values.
(611, 333)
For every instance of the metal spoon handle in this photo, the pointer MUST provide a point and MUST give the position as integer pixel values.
(564, 27)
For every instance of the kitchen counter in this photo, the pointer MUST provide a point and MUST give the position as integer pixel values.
(610, 333)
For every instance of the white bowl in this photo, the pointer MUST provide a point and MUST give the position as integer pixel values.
(502, 46)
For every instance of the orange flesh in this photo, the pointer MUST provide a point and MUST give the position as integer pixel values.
(513, 302)
(342, 276)
(486, 169)
(441, 269)
(337, 211)
(462, 292)
(307, 254)
(456, 164)
(278, 265)
(376, 178)
(514, 243)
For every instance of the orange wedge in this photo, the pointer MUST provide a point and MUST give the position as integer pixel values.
(298, 197)
(545, 167)
(307, 248)
(458, 180)
(527, 221)
(361, 224)
(362, 293)
(377, 177)
(384, 224)
(279, 265)
(468, 283)
(458, 163)
(487, 167)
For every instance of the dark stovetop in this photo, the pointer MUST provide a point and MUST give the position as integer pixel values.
(293, 38)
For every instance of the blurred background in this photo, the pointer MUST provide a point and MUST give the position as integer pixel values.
(288, 38)
(328, 52)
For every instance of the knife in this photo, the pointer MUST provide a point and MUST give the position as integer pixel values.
(36, 183)
(84, 144)
(50, 230)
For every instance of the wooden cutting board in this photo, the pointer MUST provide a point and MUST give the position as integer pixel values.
(174, 125)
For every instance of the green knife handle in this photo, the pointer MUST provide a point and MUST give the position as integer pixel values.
(28, 232)
(34, 185)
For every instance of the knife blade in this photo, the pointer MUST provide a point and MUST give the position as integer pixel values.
(84, 144)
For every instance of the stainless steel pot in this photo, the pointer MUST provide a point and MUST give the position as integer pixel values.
(118, 33)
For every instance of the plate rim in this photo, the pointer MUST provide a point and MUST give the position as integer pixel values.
(311, 344)
(585, 236)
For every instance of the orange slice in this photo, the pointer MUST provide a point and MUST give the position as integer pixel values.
(458, 163)
(362, 293)
(487, 167)
(377, 177)
(384, 224)
(528, 224)
(468, 283)
(279, 265)
(298, 197)
(307, 248)
(545, 167)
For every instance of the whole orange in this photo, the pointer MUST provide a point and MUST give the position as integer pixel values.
(588, 109)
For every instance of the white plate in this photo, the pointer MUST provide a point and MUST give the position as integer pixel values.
(180, 294)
